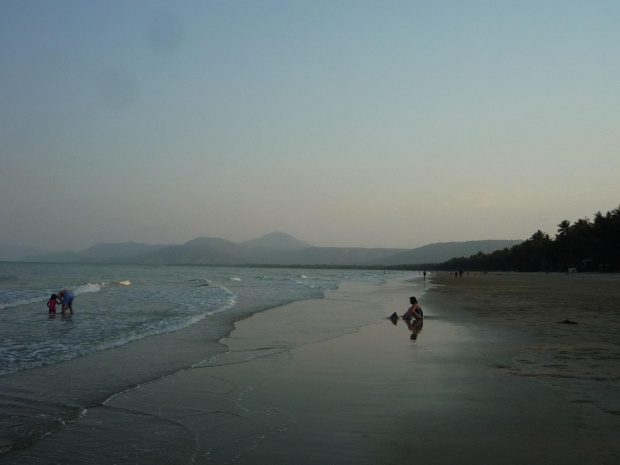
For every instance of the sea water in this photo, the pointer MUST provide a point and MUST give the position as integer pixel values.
(117, 304)
(171, 316)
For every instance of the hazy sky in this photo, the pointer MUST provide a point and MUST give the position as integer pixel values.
(343, 123)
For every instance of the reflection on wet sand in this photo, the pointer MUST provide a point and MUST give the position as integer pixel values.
(415, 327)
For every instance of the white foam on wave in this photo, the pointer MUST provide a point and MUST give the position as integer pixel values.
(232, 301)
(20, 302)
(44, 295)
(123, 283)
(235, 279)
(46, 352)
(88, 287)
(170, 326)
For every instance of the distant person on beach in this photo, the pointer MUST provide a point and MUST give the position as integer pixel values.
(415, 311)
(425, 276)
(51, 304)
(66, 298)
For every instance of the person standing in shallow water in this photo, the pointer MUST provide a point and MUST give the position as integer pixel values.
(66, 297)
(51, 304)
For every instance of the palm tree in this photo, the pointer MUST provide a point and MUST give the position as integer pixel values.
(563, 228)
(583, 224)
(539, 236)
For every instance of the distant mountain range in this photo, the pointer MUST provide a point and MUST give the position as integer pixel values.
(273, 249)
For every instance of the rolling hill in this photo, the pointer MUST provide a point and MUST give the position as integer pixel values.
(273, 249)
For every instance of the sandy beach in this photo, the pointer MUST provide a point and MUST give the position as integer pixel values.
(572, 324)
(335, 381)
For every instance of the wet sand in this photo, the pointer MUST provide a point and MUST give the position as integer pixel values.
(570, 325)
(334, 381)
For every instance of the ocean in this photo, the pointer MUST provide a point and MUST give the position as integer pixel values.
(183, 309)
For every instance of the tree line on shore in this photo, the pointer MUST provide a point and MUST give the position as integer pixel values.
(585, 245)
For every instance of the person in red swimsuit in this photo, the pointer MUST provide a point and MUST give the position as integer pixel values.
(51, 304)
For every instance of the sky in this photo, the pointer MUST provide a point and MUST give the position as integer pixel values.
(343, 123)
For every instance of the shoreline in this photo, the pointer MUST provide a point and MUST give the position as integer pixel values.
(334, 381)
(40, 401)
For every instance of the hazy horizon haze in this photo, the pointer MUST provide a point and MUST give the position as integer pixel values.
(345, 124)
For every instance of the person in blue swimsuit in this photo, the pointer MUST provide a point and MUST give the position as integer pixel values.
(66, 297)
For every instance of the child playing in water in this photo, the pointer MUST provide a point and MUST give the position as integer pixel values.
(51, 304)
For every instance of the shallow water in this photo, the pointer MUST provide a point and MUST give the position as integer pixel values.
(331, 381)
(159, 319)
(118, 304)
